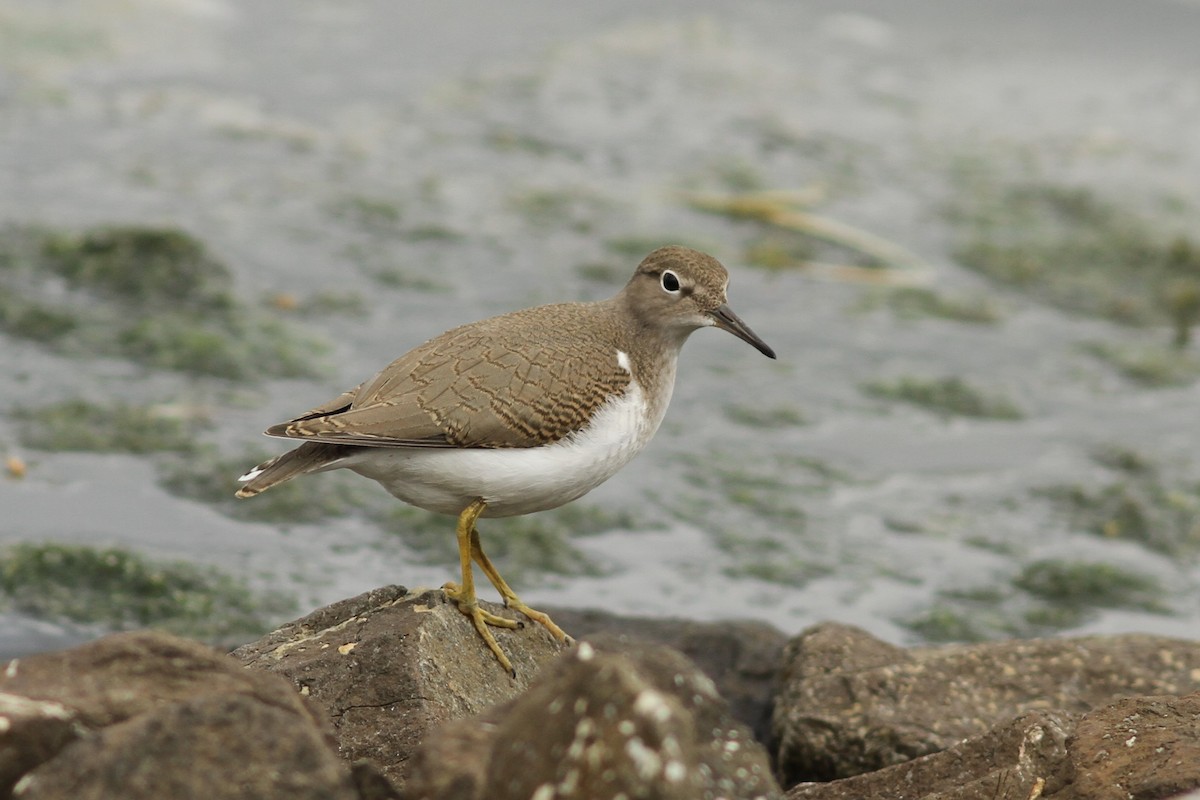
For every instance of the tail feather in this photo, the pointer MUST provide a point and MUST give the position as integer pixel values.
(308, 457)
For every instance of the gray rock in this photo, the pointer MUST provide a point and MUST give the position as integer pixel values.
(1022, 758)
(371, 783)
(388, 667)
(1139, 747)
(67, 715)
(212, 747)
(600, 725)
(31, 732)
(851, 704)
(1143, 747)
(742, 657)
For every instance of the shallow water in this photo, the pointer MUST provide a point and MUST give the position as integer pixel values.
(480, 156)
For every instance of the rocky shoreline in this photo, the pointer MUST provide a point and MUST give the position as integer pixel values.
(391, 695)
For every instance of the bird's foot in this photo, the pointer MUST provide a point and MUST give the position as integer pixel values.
(482, 619)
(540, 617)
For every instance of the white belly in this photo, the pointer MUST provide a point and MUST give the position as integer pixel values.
(516, 480)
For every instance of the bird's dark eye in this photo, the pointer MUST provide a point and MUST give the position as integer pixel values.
(670, 282)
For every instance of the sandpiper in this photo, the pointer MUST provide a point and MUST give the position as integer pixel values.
(517, 413)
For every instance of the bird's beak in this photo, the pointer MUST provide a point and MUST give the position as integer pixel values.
(724, 318)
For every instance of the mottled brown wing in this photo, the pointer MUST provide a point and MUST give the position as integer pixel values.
(521, 380)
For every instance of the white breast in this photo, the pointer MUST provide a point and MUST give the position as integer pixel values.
(519, 480)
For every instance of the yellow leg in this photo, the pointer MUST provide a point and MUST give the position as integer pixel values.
(464, 594)
(510, 597)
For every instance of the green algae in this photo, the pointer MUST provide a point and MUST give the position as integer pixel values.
(770, 418)
(780, 252)
(569, 208)
(140, 266)
(120, 589)
(1071, 588)
(396, 277)
(762, 561)
(237, 348)
(974, 614)
(1044, 597)
(762, 493)
(1146, 504)
(374, 214)
(513, 141)
(1068, 246)
(432, 232)
(945, 623)
(80, 425)
(1152, 366)
(738, 175)
(24, 318)
(951, 396)
(723, 485)
(154, 296)
(916, 302)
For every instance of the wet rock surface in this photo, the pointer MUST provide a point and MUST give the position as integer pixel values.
(1144, 747)
(388, 667)
(1015, 760)
(850, 703)
(233, 747)
(1139, 747)
(390, 696)
(149, 715)
(602, 724)
(742, 657)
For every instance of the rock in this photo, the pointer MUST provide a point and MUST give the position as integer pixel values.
(211, 747)
(742, 657)
(403, 687)
(371, 783)
(453, 764)
(1139, 747)
(389, 666)
(1143, 747)
(600, 725)
(851, 704)
(69, 717)
(1022, 758)
(31, 732)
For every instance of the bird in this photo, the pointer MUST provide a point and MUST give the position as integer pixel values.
(516, 414)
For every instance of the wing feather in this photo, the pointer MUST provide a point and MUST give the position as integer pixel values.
(521, 380)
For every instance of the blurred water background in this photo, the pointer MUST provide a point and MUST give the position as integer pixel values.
(969, 229)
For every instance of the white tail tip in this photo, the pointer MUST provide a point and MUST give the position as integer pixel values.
(251, 475)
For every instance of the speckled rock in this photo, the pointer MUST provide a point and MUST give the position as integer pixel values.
(1143, 747)
(851, 704)
(1139, 747)
(742, 657)
(65, 711)
(1022, 758)
(389, 666)
(600, 725)
(211, 747)
(31, 732)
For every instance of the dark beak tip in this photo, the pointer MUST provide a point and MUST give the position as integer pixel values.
(757, 344)
(731, 323)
